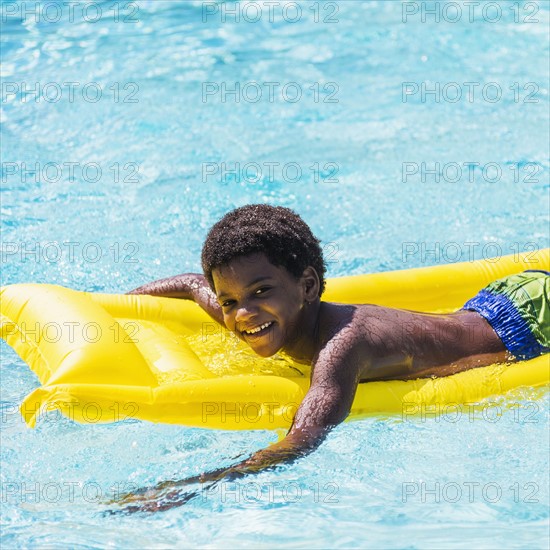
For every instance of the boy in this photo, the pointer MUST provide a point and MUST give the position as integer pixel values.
(263, 279)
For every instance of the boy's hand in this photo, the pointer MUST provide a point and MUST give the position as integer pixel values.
(179, 286)
(172, 494)
(187, 286)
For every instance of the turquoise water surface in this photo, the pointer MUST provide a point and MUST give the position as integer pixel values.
(405, 133)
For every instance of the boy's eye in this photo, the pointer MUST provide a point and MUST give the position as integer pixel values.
(262, 290)
(227, 303)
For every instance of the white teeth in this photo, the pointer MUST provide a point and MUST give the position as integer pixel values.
(257, 329)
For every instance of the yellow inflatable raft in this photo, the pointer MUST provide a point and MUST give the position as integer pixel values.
(103, 358)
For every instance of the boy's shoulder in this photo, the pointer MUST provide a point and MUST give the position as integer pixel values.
(343, 334)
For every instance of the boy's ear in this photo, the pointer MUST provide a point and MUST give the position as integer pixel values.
(311, 284)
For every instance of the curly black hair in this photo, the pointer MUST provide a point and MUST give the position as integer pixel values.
(276, 231)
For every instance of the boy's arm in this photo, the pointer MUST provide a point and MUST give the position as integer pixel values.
(189, 286)
(326, 404)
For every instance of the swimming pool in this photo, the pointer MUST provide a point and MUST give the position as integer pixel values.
(402, 140)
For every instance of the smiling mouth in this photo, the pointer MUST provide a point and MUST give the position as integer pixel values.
(259, 330)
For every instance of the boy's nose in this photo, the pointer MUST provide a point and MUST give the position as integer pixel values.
(244, 313)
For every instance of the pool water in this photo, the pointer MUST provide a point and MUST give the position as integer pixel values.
(402, 140)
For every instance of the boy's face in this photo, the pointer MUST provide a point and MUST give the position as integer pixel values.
(263, 304)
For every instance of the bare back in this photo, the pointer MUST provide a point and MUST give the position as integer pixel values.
(402, 344)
